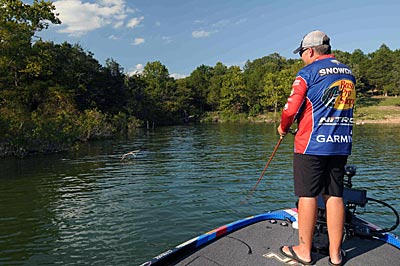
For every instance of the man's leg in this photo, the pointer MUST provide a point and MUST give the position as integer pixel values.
(307, 218)
(335, 216)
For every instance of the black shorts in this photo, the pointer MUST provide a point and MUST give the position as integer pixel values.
(317, 174)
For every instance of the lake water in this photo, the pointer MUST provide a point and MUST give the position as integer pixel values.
(88, 207)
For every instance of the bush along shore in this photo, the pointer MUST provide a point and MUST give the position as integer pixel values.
(64, 133)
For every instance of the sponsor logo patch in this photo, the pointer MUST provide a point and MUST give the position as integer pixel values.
(340, 95)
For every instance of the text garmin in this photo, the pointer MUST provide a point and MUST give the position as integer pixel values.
(334, 139)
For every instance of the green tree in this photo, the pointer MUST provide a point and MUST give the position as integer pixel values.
(109, 88)
(277, 87)
(135, 87)
(380, 69)
(214, 95)
(199, 82)
(18, 24)
(233, 95)
(393, 88)
(184, 99)
(254, 72)
(358, 64)
(160, 94)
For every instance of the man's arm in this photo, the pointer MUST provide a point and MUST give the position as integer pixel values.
(293, 105)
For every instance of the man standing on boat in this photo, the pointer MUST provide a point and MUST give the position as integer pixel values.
(322, 101)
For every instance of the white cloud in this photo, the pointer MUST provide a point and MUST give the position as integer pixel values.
(134, 22)
(113, 37)
(201, 34)
(138, 41)
(138, 69)
(178, 76)
(239, 63)
(199, 21)
(166, 39)
(221, 23)
(240, 21)
(139, 66)
(79, 17)
(118, 24)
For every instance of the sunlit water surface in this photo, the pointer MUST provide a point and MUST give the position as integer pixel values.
(89, 207)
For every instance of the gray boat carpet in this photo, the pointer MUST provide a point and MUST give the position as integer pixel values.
(259, 244)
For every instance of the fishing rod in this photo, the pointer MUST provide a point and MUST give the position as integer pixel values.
(293, 132)
(265, 168)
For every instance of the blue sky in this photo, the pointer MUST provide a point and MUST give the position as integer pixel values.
(184, 34)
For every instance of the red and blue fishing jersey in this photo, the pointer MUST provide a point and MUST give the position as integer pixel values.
(322, 100)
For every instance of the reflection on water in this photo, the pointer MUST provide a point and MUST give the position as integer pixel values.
(89, 207)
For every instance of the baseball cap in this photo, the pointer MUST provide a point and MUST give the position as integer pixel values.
(313, 39)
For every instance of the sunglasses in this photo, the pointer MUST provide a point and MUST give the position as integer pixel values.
(302, 51)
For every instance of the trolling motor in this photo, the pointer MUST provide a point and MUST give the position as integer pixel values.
(354, 226)
(352, 198)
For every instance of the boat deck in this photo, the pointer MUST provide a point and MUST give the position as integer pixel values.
(259, 243)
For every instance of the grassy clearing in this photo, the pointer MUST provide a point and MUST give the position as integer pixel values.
(377, 101)
(378, 109)
(390, 101)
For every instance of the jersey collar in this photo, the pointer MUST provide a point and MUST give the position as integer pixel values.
(324, 56)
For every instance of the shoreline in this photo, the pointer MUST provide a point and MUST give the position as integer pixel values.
(380, 121)
(7, 150)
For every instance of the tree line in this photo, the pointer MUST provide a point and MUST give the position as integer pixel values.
(52, 95)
